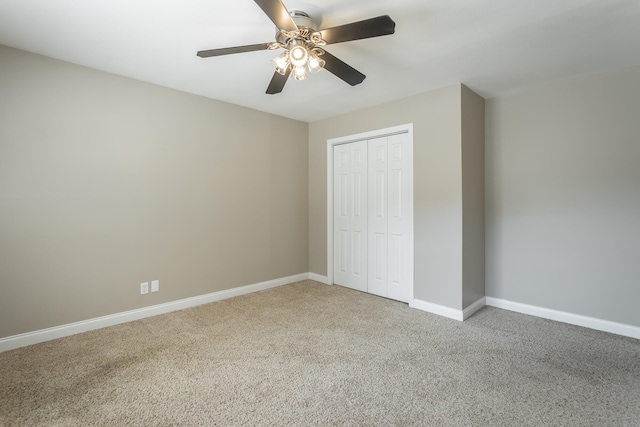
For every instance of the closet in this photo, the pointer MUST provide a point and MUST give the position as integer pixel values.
(372, 201)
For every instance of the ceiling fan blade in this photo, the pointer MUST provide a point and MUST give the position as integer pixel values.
(230, 50)
(342, 70)
(374, 27)
(278, 13)
(277, 82)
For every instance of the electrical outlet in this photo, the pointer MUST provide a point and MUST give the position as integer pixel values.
(144, 288)
(155, 285)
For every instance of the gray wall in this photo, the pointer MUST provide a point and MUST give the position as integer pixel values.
(436, 117)
(563, 197)
(473, 219)
(106, 182)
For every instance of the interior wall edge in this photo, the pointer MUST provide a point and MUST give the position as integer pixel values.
(319, 278)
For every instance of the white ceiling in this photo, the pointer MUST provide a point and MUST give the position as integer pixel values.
(493, 46)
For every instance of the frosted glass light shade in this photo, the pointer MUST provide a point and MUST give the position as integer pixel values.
(282, 62)
(315, 63)
(300, 73)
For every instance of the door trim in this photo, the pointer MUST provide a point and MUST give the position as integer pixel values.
(395, 130)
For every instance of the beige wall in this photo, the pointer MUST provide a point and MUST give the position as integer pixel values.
(563, 196)
(436, 117)
(106, 182)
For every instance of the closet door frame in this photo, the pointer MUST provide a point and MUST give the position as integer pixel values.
(406, 128)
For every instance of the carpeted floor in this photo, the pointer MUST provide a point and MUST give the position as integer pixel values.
(310, 354)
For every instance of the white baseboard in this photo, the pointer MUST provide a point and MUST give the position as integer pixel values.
(561, 316)
(438, 309)
(319, 278)
(467, 312)
(21, 340)
(545, 313)
(449, 312)
(48, 334)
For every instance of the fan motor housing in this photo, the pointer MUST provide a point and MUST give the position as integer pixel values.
(306, 26)
(303, 20)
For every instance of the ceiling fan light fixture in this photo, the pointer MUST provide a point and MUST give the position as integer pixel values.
(301, 57)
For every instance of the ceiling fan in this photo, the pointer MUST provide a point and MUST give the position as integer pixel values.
(303, 44)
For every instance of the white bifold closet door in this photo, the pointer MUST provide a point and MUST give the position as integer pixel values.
(372, 216)
(350, 215)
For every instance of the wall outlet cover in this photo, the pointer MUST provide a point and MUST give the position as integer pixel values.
(144, 288)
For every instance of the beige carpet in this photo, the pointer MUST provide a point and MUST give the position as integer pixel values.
(311, 354)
